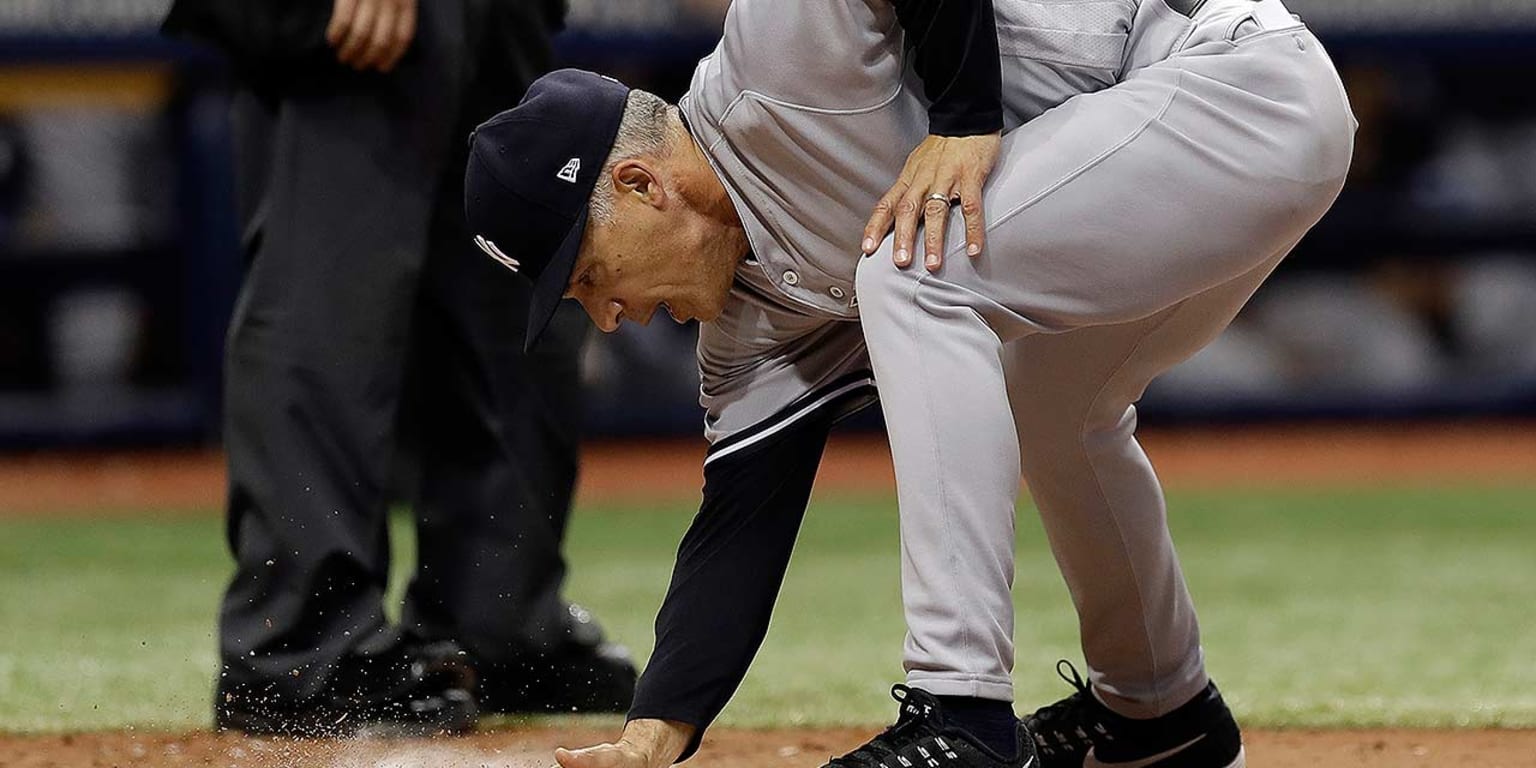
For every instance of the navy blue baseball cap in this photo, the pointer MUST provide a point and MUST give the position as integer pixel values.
(531, 173)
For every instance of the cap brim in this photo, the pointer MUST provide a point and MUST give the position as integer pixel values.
(553, 282)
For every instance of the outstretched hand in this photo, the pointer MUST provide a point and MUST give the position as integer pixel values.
(619, 755)
(646, 743)
(944, 171)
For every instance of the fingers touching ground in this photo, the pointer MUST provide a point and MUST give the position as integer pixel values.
(601, 756)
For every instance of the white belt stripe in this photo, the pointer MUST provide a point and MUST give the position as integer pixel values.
(791, 419)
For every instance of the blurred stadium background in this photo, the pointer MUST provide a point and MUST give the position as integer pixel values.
(1416, 297)
(1412, 306)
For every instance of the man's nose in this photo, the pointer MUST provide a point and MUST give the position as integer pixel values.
(605, 315)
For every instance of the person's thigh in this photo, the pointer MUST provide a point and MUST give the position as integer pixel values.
(1121, 203)
(337, 174)
(495, 431)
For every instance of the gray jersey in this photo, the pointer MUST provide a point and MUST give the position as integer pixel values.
(808, 112)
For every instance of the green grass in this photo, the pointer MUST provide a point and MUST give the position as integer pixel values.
(1354, 608)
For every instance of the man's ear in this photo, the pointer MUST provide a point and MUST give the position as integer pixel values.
(637, 177)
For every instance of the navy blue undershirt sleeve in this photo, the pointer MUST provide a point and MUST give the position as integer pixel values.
(729, 570)
(956, 49)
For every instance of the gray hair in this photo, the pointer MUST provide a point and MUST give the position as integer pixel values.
(643, 132)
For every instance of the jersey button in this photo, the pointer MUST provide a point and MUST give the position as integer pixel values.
(837, 293)
(791, 277)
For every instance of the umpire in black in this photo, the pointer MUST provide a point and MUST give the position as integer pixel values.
(368, 327)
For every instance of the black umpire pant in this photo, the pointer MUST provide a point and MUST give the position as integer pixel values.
(363, 291)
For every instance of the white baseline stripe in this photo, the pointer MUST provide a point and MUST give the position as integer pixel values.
(791, 419)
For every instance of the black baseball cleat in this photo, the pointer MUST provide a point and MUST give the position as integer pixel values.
(1080, 732)
(584, 673)
(921, 739)
(406, 688)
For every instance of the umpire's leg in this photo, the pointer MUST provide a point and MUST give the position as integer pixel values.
(497, 437)
(336, 229)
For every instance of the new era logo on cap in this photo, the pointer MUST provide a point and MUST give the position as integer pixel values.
(530, 178)
(492, 251)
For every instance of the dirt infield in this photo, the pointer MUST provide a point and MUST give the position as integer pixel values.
(531, 748)
(639, 472)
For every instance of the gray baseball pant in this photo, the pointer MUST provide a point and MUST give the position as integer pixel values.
(1126, 229)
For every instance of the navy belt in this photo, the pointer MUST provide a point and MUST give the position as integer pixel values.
(1186, 7)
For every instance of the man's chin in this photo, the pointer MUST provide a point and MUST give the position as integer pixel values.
(683, 314)
(709, 316)
(710, 311)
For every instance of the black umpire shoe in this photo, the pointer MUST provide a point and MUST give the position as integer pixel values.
(921, 739)
(583, 673)
(406, 687)
(1080, 732)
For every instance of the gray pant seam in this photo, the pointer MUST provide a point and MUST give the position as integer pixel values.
(1099, 484)
(966, 639)
(1171, 313)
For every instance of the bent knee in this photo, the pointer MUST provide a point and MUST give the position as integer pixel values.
(880, 286)
(888, 294)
